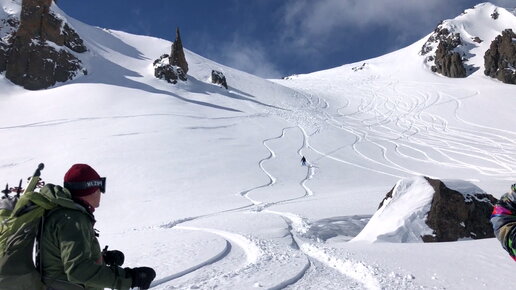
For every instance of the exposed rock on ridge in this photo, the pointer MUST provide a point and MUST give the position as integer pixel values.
(40, 52)
(219, 78)
(446, 61)
(177, 55)
(500, 58)
(163, 70)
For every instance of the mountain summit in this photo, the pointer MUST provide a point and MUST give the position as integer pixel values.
(457, 47)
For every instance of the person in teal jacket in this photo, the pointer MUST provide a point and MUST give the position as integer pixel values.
(70, 255)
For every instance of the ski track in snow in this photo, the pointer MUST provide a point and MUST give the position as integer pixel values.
(400, 125)
(299, 226)
(272, 180)
(215, 258)
(252, 252)
(352, 269)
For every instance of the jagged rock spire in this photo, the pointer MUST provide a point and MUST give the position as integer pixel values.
(177, 56)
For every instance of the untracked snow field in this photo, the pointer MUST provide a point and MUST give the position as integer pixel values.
(206, 185)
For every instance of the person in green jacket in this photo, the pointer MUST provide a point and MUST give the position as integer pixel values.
(70, 256)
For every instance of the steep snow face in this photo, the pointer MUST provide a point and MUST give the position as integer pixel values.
(477, 28)
(402, 217)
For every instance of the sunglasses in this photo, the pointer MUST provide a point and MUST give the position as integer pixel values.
(100, 183)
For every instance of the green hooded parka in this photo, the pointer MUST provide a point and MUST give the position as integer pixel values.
(70, 256)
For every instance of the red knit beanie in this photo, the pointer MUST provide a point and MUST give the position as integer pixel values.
(81, 173)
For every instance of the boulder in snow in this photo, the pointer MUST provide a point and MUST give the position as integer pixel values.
(164, 70)
(426, 210)
(218, 78)
(500, 58)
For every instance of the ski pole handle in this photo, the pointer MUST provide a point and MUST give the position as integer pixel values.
(34, 179)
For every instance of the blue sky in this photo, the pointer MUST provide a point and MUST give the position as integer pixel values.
(276, 38)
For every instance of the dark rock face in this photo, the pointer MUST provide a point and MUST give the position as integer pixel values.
(3, 56)
(218, 78)
(8, 28)
(177, 56)
(454, 216)
(38, 54)
(500, 58)
(163, 70)
(446, 61)
(44, 66)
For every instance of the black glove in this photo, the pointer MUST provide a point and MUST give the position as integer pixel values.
(142, 276)
(113, 258)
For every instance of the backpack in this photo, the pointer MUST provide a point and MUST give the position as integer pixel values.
(20, 217)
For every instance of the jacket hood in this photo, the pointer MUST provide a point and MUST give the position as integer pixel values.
(60, 196)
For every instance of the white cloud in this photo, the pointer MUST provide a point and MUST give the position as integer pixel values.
(307, 22)
(247, 56)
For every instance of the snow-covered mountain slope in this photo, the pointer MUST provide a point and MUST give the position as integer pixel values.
(206, 186)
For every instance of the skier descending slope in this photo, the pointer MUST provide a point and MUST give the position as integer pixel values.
(70, 252)
(503, 219)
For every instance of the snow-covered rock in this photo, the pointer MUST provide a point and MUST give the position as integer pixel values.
(421, 209)
(219, 78)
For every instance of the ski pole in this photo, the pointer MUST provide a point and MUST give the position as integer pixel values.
(33, 182)
(18, 190)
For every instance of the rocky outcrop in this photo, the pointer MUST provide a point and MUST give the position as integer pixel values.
(40, 52)
(3, 56)
(164, 70)
(218, 78)
(495, 14)
(177, 55)
(446, 60)
(422, 209)
(8, 28)
(500, 58)
(172, 67)
(454, 215)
